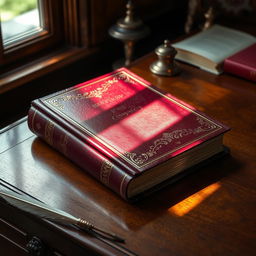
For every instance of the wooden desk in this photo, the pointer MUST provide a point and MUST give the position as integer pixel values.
(210, 212)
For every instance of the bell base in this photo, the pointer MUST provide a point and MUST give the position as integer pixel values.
(164, 70)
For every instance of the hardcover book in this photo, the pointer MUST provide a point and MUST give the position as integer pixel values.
(243, 63)
(125, 132)
(208, 49)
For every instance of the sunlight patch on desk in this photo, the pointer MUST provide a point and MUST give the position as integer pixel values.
(189, 203)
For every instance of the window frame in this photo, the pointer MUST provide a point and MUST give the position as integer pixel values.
(65, 39)
(49, 36)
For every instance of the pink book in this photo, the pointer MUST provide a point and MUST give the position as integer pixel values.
(125, 132)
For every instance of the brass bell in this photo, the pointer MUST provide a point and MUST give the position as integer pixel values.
(165, 65)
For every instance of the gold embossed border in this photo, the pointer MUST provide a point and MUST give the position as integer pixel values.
(96, 93)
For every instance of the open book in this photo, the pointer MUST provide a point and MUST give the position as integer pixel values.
(208, 49)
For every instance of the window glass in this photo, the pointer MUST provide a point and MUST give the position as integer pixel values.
(20, 19)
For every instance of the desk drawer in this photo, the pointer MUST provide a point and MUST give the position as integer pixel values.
(14, 241)
(8, 247)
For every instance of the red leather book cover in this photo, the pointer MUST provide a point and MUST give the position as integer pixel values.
(243, 63)
(122, 120)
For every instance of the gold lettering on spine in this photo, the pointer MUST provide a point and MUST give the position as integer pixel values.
(106, 169)
(63, 143)
(121, 185)
(48, 133)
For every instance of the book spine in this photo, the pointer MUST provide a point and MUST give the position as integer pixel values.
(73, 129)
(239, 69)
(82, 154)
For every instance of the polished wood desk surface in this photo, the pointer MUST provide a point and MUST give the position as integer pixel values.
(209, 212)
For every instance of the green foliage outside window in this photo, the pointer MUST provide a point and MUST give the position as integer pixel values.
(11, 8)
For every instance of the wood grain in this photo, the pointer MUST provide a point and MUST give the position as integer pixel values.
(209, 212)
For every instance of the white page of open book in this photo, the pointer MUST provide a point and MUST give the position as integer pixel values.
(217, 43)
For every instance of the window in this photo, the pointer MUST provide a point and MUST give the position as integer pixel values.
(20, 20)
(42, 36)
